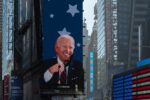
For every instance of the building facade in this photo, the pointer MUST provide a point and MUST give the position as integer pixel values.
(7, 45)
(114, 17)
(124, 19)
(86, 40)
(101, 49)
(139, 22)
(92, 68)
(1, 10)
(20, 48)
(27, 46)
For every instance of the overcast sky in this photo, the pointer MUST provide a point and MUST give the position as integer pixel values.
(88, 14)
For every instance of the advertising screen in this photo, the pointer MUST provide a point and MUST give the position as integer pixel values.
(62, 70)
(132, 85)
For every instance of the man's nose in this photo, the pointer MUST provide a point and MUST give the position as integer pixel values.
(68, 49)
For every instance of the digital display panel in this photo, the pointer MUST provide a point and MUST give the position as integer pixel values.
(91, 72)
(62, 70)
(132, 85)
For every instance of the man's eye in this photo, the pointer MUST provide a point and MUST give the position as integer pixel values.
(71, 47)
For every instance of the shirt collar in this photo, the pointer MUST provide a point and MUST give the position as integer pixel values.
(59, 61)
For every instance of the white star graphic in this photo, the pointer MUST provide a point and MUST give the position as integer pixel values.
(63, 32)
(72, 10)
(78, 44)
(51, 15)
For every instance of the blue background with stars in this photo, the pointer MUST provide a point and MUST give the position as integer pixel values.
(56, 18)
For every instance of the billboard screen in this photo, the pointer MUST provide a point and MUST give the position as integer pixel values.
(62, 46)
(132, 85)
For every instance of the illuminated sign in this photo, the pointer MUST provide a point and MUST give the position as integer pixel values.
(62, 47)
(16, 88)
(132, 85)
(91, 71)
(143, 62)
(6, 86)
(114, 29)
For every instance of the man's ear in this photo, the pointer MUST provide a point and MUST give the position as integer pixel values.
(56, 48)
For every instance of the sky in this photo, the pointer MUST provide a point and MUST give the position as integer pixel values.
(88, 14)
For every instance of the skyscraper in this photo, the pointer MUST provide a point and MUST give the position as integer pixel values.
(101, 48)
(112, 39)
(140, 19)
(86, 40)
(123, 28)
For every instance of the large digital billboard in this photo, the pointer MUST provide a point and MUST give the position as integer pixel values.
(132, 85)
(62, 69)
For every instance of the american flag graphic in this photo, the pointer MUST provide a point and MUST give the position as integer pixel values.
(61, 17)
(133, 85)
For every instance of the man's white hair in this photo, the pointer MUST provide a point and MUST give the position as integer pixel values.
(67, 37)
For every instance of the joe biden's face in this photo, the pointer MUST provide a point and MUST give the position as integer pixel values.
(64, 49)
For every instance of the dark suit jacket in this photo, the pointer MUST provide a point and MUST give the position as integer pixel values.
(75, 75)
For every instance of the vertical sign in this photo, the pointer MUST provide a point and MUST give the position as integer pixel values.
(6, 86)
(16, 88)
(59, 18)
(91, 71)
(114, 29)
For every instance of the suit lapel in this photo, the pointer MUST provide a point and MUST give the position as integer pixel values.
(71, 72)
